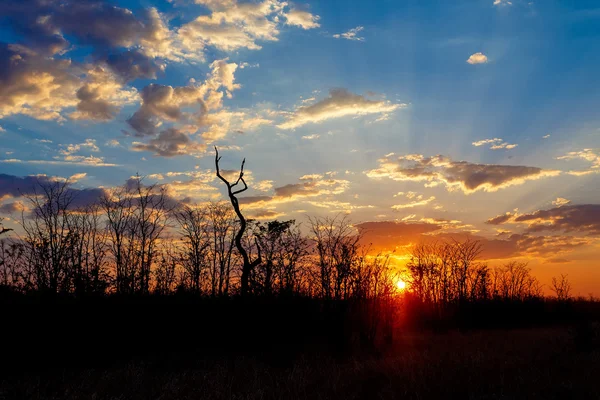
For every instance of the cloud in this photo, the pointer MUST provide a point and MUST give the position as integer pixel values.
(338, 206)
(170, 143)
(106, 28)
(35, 86)
(352, 34)
(500, 219)
(38, 79)
(309, 186)
(560, 202)
(162, 103)
(546, 136)
(501, 3)
(132, 64)
(70, 149)
(77, 177)
(14, 187)
(266, 214)
(71, 154)
(90, 161)
(218, 124)
(584, 218)
(495, 144)
(233, 25)
(42, 87)
(340, 103)
(417, 201)
(303, 19)
(566, 218)
(590, 155)
(112, 143)
(311, 137)
(263, 186)
(462, 175)
(477, 58)
(400, 235)
(13, 208)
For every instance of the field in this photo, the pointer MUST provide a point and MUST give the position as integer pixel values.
(536, 363)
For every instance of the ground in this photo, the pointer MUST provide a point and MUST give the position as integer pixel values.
(543, 364)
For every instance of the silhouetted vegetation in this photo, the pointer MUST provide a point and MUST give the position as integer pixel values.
(138, 281)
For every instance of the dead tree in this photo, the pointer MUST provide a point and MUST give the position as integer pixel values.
(248, 265)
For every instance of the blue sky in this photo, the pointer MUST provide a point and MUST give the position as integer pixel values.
(489, 106)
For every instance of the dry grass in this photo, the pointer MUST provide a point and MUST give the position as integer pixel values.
(520, 364)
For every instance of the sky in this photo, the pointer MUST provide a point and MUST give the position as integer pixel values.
(422, 120)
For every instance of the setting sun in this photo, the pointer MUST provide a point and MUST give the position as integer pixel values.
(401, 285)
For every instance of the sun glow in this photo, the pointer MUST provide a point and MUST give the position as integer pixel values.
(400, 284)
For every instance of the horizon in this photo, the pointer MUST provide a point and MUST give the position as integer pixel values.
(472, 119)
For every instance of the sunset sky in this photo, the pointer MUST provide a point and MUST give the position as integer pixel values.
(468, 118)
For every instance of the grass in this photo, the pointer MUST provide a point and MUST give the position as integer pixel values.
(531, 363)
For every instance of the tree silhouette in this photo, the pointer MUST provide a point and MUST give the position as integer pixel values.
(3, 229)
(248, 265)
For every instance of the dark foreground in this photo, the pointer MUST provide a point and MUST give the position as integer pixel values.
(534, 363)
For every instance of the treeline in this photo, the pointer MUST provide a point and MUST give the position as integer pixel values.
(450, 272)
(136, 239)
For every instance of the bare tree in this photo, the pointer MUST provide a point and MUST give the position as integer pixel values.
(12, 267)
(118, 208)
(337, 246)
(150, 220)
(194, 231)
(561, 287)
(222, 232)
(49, 236)
(283, 247)
(514, 281)
(248, 265)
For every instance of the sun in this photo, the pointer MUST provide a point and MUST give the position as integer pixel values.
(400, 284)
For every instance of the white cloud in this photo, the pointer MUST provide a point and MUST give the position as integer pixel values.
(477, 58)
(560, 202)
(590, 155)
(112, 143)
(340, 103)
(233, 25)
(502, 3)
(417, 200)
(495, 144)
(303, 19)
(352, 34)
(311, 137)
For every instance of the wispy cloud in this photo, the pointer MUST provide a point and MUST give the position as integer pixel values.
(352, 34)
(495, 144)
(339, 103)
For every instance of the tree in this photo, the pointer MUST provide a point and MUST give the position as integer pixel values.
(3, 230)
(193, 228)
(561, 287)
(337, 245)
(513, 281)
(282, 247)
(248, 266)
(50, 236)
